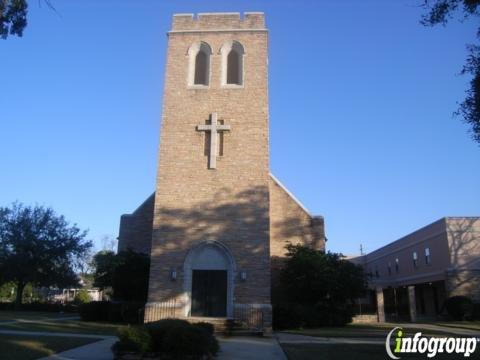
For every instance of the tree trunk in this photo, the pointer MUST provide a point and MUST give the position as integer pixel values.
(18, 299)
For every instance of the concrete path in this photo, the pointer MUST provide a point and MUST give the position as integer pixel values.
(304, 339)
(99, 350)
(290, 338)
(439, 328)
(249, 348)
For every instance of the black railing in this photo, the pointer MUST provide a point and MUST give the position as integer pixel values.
(249, 317)
(158, 311)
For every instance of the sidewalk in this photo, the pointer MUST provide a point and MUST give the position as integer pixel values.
(440, 328)
(99, 350)
(249, 348)
(287, 338)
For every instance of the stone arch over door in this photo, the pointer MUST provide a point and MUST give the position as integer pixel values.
(209, 255)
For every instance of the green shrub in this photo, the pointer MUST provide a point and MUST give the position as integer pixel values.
(82, 297)
(459, 307)
(476, 311)
(180, 339)
(94, 311)
(124, 312)
(133, 339)
(186, 341)
(159, 329)
(284, 317)
(292, 316)
(209, 328)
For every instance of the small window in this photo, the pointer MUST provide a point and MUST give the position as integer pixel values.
(232, 53)
(199, 64)
(201, 69)
(233, 68)
(389, 268)
(427, 256)
(415, 259)
(397, 266)
(377, 274)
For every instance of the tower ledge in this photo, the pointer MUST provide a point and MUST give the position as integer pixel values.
(218, 21)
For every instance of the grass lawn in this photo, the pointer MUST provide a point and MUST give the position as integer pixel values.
(66, 326)
(51, 322)
(352, 351)
(470, 325)
(7, 315)
(13, 347)
(361, 330)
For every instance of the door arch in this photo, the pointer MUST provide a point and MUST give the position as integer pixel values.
(210, 256)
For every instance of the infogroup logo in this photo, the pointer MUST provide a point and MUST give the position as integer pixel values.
(429, 345)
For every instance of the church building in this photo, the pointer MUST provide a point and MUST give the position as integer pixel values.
(218, 221)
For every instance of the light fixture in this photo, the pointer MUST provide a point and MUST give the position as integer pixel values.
(243, 275)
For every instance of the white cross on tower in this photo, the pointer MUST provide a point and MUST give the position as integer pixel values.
(214, 129)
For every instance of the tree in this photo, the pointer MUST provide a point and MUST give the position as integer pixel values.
(440, 12)
(311, 275)
(13, 17)
(104, 264)
(38, 246)
(126, 272)
(7, 291)
(82, 297)
(315, 289)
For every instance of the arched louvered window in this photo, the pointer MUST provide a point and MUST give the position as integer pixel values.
(233, 68)
(199, 64)
(201, 69)
(232, 53)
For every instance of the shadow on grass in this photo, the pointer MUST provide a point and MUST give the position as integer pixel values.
(19, 347)
(67, 326)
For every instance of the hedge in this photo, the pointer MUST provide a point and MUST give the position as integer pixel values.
(460, 308)
(125, 312)
(291, 316)
(40, 306)
(169, 338)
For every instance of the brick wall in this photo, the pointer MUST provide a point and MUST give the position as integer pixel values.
(291, 223)
(136, 228)
(229, 204)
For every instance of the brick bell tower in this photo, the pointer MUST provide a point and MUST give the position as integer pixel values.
(210, 254)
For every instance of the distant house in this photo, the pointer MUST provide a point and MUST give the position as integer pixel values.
(67, 295)
(411, 278)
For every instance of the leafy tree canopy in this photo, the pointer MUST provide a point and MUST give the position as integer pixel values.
(440, 12)
(38, 246)
(82, 297)
(311, 276)
(104, 264)
(13, 17)
(126, 272)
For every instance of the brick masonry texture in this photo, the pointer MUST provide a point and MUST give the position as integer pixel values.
(238, 204)
(136, 228)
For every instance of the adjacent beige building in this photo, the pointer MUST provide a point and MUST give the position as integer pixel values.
(217, 216)
(412, 277)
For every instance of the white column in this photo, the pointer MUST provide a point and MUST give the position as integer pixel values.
(412, 303)
(380, 305)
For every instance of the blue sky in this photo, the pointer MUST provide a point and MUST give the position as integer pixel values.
(361, 103)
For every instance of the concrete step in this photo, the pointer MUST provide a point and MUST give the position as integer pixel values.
(227, 326)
